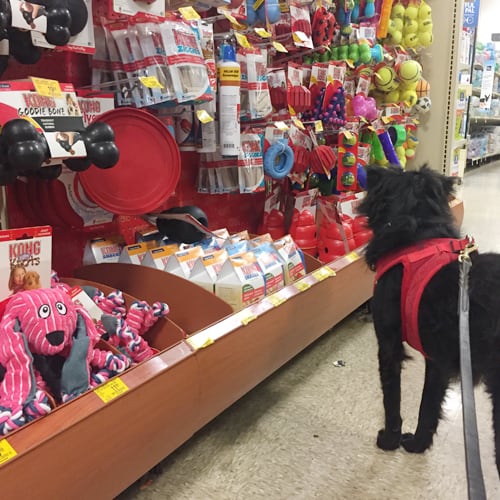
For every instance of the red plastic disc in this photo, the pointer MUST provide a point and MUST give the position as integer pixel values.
(148, 170)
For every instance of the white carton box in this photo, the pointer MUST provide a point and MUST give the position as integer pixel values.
(272, 267)
(133, 254)
(206, 269)
(100, 250)
(293, 264)
(240, 281)
(158, 257)
(181, 263)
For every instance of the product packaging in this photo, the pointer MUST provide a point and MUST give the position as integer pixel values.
(206, 269)
(157, 257)
(293, 263)
(181, 263)
(133, 254)
(25, 259)
(271, 266)
(103, 250)
(240, 281)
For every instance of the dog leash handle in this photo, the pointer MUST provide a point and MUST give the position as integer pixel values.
(475, 481)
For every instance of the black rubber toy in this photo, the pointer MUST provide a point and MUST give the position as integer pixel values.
(181, 231)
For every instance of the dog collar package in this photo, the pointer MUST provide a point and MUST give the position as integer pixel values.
(420, 262)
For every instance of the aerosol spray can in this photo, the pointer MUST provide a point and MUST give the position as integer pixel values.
(228, 71)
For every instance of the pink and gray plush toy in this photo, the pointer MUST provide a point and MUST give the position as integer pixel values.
(48, 345)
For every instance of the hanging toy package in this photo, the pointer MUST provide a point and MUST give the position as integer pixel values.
(259, 99)
(185, 60)
(151, 44)
(251, 164)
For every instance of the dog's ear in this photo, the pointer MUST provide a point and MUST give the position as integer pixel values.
(374, 175)
(449, 185)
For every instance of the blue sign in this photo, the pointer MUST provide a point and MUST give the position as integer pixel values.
(471, 13)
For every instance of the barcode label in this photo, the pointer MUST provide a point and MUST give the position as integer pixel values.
(228, 145)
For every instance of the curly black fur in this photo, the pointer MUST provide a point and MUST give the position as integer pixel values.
(404, 208)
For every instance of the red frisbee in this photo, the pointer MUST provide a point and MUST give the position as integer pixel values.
(148, 170)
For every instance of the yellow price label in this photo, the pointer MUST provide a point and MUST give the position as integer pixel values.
(302, 285)
(281, 126)
(276, 299)
(262, 32)
(189, 14)
(298, 123)
(257, 4)
(416, 121)
(248, 318)
(323, 272)
(279, 47)
(352, 256)
(200, 341)
(299, 37)
(6, 451)
(46, 87)
(151, 82)
(242, 40)
(111, 390)
(386, 119)
(318, 126)
(232, 19)
(291, 111)
(204, 116)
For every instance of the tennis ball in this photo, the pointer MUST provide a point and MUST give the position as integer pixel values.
(425, 25)
(425, 38)
(398, 24)
(409, 97)
(411, 12)
(396, 38)
(410, 153)
(385, 79)
(411, 40)
(409, 71)
(424, 11)
(408, 86)
(410, 26)
(398, 11)
(392, 97)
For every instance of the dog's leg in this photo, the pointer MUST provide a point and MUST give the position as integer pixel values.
(436, 383)
(390, 362)
(493, 387)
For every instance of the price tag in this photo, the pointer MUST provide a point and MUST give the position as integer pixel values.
(151, 82)
(299, 37)
(111, 390)
(200, 341)
(323, 272)
(242, 40)
(204, 116)
(257, 4)
(6, 451)
(352, 256)
(188, 13)
(276, 299)
(302, 285)
(318, 126)
(279, 47)
(298, 123)
(281, 126)
(232, 19)
(47, 88)
(291, 111)
(247, 318)
(262, 32)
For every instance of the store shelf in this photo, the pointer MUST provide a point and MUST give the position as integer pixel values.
(477, 92)
(460, 143)
(485, 120)
(479, 159)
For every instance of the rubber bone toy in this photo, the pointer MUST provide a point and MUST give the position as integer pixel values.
(46, 340)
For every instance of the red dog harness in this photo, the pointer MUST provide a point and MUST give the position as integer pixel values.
(420, 263)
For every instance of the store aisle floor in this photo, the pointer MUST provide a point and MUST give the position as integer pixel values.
(308, 431)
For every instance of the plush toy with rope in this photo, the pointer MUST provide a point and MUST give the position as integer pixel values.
(48, 344)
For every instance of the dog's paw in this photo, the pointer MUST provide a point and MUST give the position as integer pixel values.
(414, 445)
(388, 440)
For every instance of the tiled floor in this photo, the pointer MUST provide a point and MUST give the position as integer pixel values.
(308, 432)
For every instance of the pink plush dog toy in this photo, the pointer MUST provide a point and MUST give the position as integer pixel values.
(48, 343)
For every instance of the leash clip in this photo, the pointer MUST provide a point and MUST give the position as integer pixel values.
(469, 248)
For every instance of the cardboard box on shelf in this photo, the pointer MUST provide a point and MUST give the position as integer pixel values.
(206, 269)
(181, 263)
(158, 257)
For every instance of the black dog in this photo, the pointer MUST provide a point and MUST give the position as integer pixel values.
(406, 209)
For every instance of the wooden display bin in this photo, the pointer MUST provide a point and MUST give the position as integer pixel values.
(89, 448)
(95, 446)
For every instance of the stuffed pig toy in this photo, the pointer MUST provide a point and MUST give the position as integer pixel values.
(47, 343)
